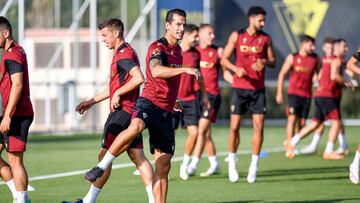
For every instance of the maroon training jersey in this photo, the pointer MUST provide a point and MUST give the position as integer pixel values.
(209, 66)
(14, 61)
(162, 91)
(249, 48)
(327, 87)
(301, 75)
(124, 59)
(191, 58)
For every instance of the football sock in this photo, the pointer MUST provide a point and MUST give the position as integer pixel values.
(106, 161)
(21, 196)
(329, 147)
(295, 140)
(356, 161)
(11, 186)
(342, 141)
(150, 194)
(92, 194)
(186, 160)
(254, 160)
(315, 140)
(213, 161)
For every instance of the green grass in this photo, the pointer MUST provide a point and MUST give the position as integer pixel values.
(304, 179)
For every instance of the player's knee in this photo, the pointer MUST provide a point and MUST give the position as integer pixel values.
(15, 161)
(136, 126)
(258, 126)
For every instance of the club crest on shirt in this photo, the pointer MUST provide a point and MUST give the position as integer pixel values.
(211, 54)
(122, 51)
(156, 52)
(244, 40)
(112, 74)
(259, 40)
(193, 55)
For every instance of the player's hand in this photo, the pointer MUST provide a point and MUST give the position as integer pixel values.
(178, 106)
(259, 65)
(5, 125)
(240, 72)
(279, 99)
(350, 85)
(115, 101)
(206, 103)
(84, 106)
(195, 72)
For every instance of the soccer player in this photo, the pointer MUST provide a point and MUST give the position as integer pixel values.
(154, 108)
(303, 65)
(253, 50)
(210, 69)
(189, 117)
(123, 91)
(327, 102)
(354, 166)
(18, 112)
(312, 147)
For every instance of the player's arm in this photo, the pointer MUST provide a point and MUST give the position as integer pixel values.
(335, 74)
(270, 60)
(228, 51)
(316, 76)
(281, 78)
(16, 72)
(137, 78)
(99, 97)
(228, 77)
(205, 99)
(158, 70)
(352, 65)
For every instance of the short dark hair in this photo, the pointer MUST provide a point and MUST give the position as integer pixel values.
(329, 40)
(170, 14)
(307, 38)
(5, 24)
(256, 10)
(204, 25)
(190, 28)
(338, 40)
(114, 24)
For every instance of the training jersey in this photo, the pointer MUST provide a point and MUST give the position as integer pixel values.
(124, 59)
(191, 58)
(249, 48)
(14, 61)
(327, 87)
(301, 75)
(163, 91)
(210, 67)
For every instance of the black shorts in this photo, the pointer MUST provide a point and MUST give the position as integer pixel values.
(116, 122)
(215, 102)
(327, 109)
(16, 139)
(298, 105)
(243, 100)
(159, 123)
(189, 116)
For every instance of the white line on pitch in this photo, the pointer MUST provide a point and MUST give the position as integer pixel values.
(127, 165)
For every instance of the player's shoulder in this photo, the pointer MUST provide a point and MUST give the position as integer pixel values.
(15, 52)
(263, 33)
(195, 51)
(125, 51)
(314, 55)
(241, 31)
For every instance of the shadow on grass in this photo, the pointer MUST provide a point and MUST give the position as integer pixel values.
(302, 171)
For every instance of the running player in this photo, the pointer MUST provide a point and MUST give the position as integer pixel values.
(18, 112)
(189, 117)
(354, 166)
(327, 101)
(210, 69)
(253, 52)
(154, 109)
(303, 65)
(312, 147)
(123, 91)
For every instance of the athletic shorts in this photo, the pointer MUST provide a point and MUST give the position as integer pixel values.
(215, 102)
(116, 122)
(327, 109)
(16, 139)
(159, 123)
(189, 116)
(243, 100)
(298, 105)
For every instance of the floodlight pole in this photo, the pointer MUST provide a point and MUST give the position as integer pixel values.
(93, 56)
(21, 22)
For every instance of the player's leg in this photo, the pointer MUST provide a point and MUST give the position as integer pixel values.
(5, 172)
(189, 148)
(290, 127)
(160, 180)
(234, 141)
(312, 147)
(204, 125)
(343, 146)
(354, 167)
(20, 176)
(137, 156)
(257, 140)
(329, 153)
(120, 145)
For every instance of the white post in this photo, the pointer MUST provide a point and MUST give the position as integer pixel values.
(153, 21)
(6, 7)
(207, 11)
(57, 15)
(93, 55)
(124, 14)
(21, 23)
